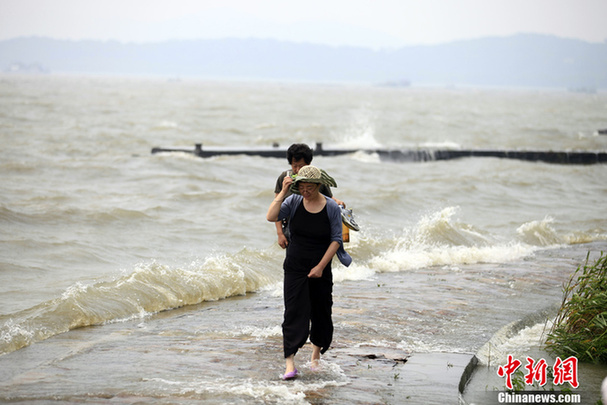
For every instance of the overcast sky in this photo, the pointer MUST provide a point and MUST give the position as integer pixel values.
(368, 23)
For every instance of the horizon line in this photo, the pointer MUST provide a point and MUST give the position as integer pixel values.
(255, 38)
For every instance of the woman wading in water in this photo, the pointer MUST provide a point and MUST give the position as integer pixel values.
(316, 236)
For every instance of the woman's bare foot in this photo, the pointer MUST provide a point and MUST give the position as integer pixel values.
(290, 364)
(315, 360)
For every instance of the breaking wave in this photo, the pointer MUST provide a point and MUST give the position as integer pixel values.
(437, 239)
(149, 288)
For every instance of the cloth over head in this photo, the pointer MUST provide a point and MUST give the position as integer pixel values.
(311, 174)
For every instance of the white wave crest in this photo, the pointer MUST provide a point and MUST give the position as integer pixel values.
(360, 133)
(540, 233)
(439, 240)
(149, 288)
(351, 273)
(261, 333)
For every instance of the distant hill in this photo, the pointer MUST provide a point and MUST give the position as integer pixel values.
(528, 60)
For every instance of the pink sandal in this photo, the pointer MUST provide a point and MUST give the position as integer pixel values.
(289, 376)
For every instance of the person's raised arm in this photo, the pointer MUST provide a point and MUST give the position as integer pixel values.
(274, 208)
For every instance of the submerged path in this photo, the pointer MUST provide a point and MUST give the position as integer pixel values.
(408, 155)
(403, 337)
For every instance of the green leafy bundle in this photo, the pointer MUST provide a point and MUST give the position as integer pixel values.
(580, 328)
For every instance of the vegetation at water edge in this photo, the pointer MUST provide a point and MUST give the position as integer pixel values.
(580, 328)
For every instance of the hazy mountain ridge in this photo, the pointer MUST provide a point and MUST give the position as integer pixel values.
(520, 60)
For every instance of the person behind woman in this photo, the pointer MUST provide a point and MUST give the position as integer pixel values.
(298, 156)
(315, 225)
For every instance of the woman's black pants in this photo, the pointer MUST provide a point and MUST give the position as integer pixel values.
(308, 306)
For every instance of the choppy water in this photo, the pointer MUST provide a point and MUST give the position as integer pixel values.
(95, 230)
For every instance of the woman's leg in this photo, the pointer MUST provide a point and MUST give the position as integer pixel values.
(296, 324)
(321, 298)
(315, 359)
(290, 364)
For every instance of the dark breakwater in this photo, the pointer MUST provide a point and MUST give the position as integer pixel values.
(409, 155)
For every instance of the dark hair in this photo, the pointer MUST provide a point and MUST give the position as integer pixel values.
(299, 151)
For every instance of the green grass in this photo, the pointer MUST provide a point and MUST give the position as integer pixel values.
(580, 328)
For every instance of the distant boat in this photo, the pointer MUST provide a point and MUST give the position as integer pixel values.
(396, 83)
(583, 89)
